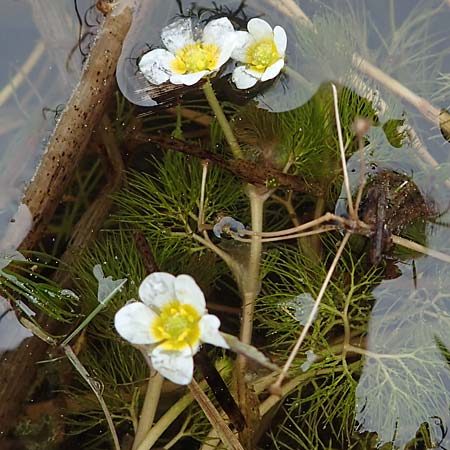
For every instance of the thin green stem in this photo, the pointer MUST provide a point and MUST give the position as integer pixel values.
(96, 389)
(272, 400)
(249, 284)
(166, 420)
(228, 259)
(149, 407)
(93, 313)
(276, 387)
(223, 121)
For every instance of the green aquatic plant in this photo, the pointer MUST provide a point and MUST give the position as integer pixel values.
(296, 269)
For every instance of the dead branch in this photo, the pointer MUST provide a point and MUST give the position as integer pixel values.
(71, 136)
(247, 171)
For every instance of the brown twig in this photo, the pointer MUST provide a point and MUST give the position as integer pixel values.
(145, 252)
(247, 171)
(87, 227)
(226, 435)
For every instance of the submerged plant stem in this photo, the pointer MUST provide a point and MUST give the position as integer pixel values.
(226, 435)
(201, 208)
(276, 387)
(425, 107)
(351, 209)
(250, 284)
(420, 248)
(165, 421)
(96, 389)
(221, 118)
(272, 400)
(428, 110)
(93, 313)
(149, 407)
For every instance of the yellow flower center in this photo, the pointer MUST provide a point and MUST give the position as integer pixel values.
(262, 54)
(195, 58)
(176, 326)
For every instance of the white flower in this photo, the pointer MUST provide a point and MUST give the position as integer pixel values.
(262, 50)
(172, 320)
(186, 59)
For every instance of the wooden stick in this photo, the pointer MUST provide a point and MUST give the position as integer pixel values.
(73, 131)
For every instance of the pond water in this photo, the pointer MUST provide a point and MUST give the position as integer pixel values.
(373, 372)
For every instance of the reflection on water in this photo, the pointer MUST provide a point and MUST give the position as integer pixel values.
(12, 333)
(405, 381)
(36, 79)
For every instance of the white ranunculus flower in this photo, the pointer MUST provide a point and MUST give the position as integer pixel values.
(172, 321)
(188, 59)
(262, 50)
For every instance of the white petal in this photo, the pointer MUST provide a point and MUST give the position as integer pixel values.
(273, 70)
(226, 49)
(209, 331)
(177, 367)
(157, 289)
(188, 292)
(155, 65)
(242, 79)
(280, 38)
(243, 41)
(189, 78)
(133, 323)
(216, 30)
(177, 34)
(259, 29)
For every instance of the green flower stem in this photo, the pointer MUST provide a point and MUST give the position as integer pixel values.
(93, 313)
(149, 407)
(166, 420)
(223, 121)
(83, 324)
(250, 283)
(229, 260)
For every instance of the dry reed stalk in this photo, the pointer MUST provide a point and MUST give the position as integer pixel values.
(439, 118)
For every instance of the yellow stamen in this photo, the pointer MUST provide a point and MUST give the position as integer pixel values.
(176, 327)
(262, 54)
(195, 58)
